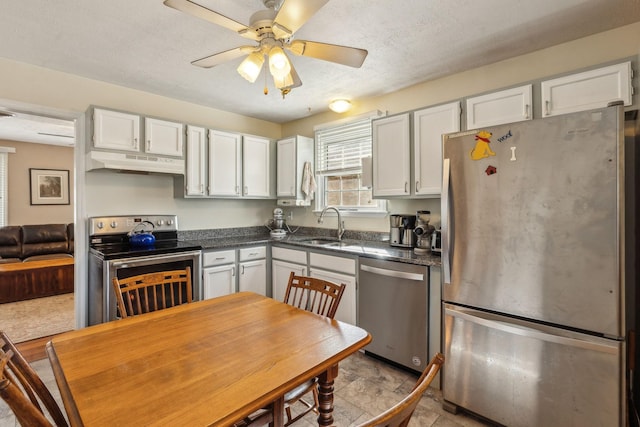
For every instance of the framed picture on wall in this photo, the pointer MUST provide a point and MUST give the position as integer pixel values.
(49, 186)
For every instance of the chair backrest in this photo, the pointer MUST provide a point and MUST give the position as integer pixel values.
(23, 390)
(400, 414)
(313, 294)
(149, 292)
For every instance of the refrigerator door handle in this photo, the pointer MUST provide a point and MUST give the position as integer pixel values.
(445, 223)
(486, 320)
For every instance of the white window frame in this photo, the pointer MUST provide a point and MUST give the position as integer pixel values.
(380, 210)
(4, 184)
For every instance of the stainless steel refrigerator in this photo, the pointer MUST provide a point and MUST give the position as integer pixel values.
(535, 261)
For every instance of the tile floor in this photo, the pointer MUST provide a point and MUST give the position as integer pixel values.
(365, 387)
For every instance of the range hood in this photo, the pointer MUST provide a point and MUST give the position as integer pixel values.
(128, 162)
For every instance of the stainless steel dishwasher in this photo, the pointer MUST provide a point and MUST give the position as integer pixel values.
(393, 301)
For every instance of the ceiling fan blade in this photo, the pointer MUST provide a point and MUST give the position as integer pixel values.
(222, 57)
(293, 14)
(202, 12)
(351, 56)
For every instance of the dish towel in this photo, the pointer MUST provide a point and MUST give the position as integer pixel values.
(308, 181)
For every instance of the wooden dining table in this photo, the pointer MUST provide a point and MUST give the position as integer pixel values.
(207, 363)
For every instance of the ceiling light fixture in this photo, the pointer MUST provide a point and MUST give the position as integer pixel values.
(251, 66)
(340, 105)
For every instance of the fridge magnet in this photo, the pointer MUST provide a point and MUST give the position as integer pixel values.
(503, 138)
(490, 170)
(482, 148)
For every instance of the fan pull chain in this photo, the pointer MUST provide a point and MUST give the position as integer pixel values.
(266, 89)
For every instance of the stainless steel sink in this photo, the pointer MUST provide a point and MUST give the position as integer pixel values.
(322, 241)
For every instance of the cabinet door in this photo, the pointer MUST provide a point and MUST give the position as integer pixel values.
(587, 90)
(196, 161)
(428, 126)
(218, 281)
(115, 130)
(163, 137)
(286, 168)
(252, 276)
(280, 271)
(224, 163)
(256, 167)
(391, 156)
(496, 108)
(347, 308)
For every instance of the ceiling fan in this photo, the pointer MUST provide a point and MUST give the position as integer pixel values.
(273, 29)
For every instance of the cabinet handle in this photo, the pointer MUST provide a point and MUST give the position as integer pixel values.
(233, 271)
(406, 184)
(246, 190)
(546, 108)
(148, 145)
(242, 270)
(135, 143)
(417, 186)
(526, 111)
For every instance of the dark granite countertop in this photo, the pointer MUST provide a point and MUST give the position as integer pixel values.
(357, 244)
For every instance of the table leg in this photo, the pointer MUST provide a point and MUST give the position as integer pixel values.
(325, 396)
(278, 413)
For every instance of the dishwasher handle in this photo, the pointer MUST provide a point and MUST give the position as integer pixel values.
(392, 273)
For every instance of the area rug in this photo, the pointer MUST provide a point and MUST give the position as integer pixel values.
(36, 318)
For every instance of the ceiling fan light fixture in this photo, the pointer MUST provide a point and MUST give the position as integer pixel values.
(340, 105)
(279, 64)
(282, 83)
(251, 66)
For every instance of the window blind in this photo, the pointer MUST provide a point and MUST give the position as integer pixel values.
(340, 148)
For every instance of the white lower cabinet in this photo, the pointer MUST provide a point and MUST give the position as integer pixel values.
(252, 270)
(344, 271)
(218, 273)
(284, 261)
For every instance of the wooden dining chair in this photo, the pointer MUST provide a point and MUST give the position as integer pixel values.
(400, 414)
(149, 292)
(317, 296)
(23, 390)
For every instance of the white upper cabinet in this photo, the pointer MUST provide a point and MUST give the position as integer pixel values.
(391, 156)
(286, 165)
(235, 171)
(496, 108)
(115, 130)
(225, 152)
(428, 126)
(587, 90)
(256, 166)
(196, 161)
(291, 155)
(163, 137)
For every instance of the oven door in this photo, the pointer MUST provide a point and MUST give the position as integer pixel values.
(103, 306)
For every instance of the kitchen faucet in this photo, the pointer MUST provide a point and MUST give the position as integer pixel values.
(340, 222)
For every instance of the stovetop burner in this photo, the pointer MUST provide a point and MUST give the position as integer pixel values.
(109, 236)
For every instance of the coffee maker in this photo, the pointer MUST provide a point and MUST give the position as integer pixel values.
(401, 230)
(423, 232)
(277, 225)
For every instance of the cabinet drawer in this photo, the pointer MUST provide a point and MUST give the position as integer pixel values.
(218, 257)
(291, 255)
(248, 254)
(344, 265)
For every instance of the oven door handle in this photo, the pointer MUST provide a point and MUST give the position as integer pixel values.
(134, 262)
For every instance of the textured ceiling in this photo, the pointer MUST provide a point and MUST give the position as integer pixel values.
(145, 45)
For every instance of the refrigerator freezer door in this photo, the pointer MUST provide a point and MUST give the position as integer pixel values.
(533, 219)
(522, 374)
